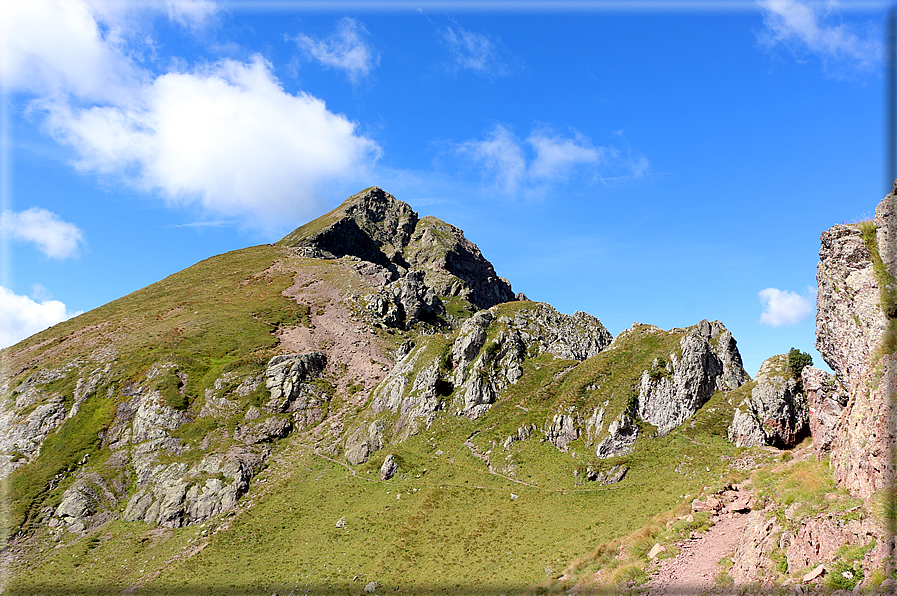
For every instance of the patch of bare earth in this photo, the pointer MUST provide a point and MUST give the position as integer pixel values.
(695, 568)
(328, 288)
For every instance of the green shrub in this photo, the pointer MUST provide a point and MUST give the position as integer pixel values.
(797, 361)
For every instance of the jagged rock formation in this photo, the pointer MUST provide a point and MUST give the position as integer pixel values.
(776, 412)
(389, 467)
(406, 301)
(621, 435)
(484, 358)
(454, 266)
(432, 257)
(671, 392)
(288, 378)
(851, 325)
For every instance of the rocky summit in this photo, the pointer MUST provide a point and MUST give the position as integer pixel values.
(367, 406)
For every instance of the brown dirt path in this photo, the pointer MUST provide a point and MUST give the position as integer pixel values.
(695, 568)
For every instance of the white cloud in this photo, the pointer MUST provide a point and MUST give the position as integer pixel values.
(344, 50)
(21, 317)
(781, 307)
(813, 27)
(54, 237)
(556, 156)
(49, 47)
(225, 135)
(475, 52)
(191, 13)
(502, 155)
(546, 157)
(228, 136)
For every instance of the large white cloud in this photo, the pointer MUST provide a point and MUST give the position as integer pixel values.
(815, 28)
(50, 47)
(54, 237)
(546, 157)
(228, 136)
(21, 317)
(225, 135)
(782, 307)
(345, 50)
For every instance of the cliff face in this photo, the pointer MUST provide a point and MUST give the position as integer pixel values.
(856, 267)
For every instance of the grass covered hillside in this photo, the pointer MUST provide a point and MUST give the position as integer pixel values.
(295, 418)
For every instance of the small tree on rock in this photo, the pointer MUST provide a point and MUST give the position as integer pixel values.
(797, 361)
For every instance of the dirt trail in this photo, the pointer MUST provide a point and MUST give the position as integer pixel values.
(694, 569)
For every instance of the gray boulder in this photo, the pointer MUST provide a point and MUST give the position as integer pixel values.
(389, 467)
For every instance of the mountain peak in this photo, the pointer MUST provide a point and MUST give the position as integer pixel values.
(375, 226)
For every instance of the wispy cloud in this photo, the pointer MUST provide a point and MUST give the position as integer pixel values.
(782, 307)
(346, 49)
(816, 28)
(21, 316)
(546, 157)
(476, 52)
(56, 238)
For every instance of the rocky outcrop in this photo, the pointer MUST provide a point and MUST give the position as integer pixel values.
(179, 495)
(484, 367)
(454, 265)
(562, 431)
(612, 475)
(377, 228)
(851, 324)
(826, 400)
(482, 371)
(621, 436)
(371, 225)
(288, 378)
(389, 467)
(776, 413)
(364, 441)
(406, 301)
(772, 546)
(671, 392)
(485, 358)
(414, 388)
(21, 436)
(268, 430)
(576, 337)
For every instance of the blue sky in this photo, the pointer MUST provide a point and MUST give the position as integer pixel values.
(660, 162)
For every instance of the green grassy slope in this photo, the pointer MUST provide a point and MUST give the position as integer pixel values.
(444, 524)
